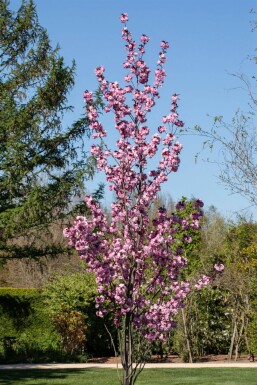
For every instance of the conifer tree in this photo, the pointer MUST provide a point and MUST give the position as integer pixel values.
(42, 165)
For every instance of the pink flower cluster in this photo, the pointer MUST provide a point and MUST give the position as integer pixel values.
(202, 282)
(137, 261)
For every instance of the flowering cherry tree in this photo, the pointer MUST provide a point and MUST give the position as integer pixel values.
(137, 261)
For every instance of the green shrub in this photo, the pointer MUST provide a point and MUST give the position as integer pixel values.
(26, 331)
(72, 295)
(30, 328)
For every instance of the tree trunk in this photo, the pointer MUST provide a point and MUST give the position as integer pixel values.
(248, 346)
(127, 352)
(232, 342)
(190, 358)
(239, 339)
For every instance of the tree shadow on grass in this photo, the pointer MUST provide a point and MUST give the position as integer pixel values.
(39, 377)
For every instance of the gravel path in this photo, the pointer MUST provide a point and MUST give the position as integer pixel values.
(113, 366)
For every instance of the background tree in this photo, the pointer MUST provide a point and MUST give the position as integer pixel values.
(237, 145)
(237, 141)
(202, 325)
(222, 318)
(239, 281)
(238, 149)
(42, 163)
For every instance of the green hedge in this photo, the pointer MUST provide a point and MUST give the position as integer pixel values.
(26, 331)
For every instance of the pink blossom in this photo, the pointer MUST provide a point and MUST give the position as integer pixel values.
(198, 203)
(124, 17)
(99, 70)
(164, 44)
(144, 38)
(202, 282)
(219, 267)
(88, 96)
(161, 129)
(128, 78)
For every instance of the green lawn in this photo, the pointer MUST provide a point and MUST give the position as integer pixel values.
(206, 376)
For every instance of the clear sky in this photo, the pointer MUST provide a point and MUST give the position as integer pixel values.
(208, 39)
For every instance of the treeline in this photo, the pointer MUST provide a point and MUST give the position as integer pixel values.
(222, 319)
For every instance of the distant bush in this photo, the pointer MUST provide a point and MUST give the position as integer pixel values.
(57, 324)
(26, 331)
(70, 300)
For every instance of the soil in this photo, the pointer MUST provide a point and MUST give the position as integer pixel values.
(175, 359)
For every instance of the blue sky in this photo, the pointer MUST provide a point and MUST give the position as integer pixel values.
(209, 40)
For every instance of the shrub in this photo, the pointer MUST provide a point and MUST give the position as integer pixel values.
(26, 331)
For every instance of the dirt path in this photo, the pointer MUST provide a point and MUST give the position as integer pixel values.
(211, 361)
(151, 365)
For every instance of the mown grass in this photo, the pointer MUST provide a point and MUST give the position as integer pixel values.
(198, 376)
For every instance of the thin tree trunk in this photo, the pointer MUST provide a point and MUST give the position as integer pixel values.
(190, 358)
(251, 355)
(239, 338)
(127, 352)
(232, 342)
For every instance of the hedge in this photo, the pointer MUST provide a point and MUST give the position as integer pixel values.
(26, 331)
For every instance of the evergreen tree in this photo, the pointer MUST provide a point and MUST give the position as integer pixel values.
(42, 165)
